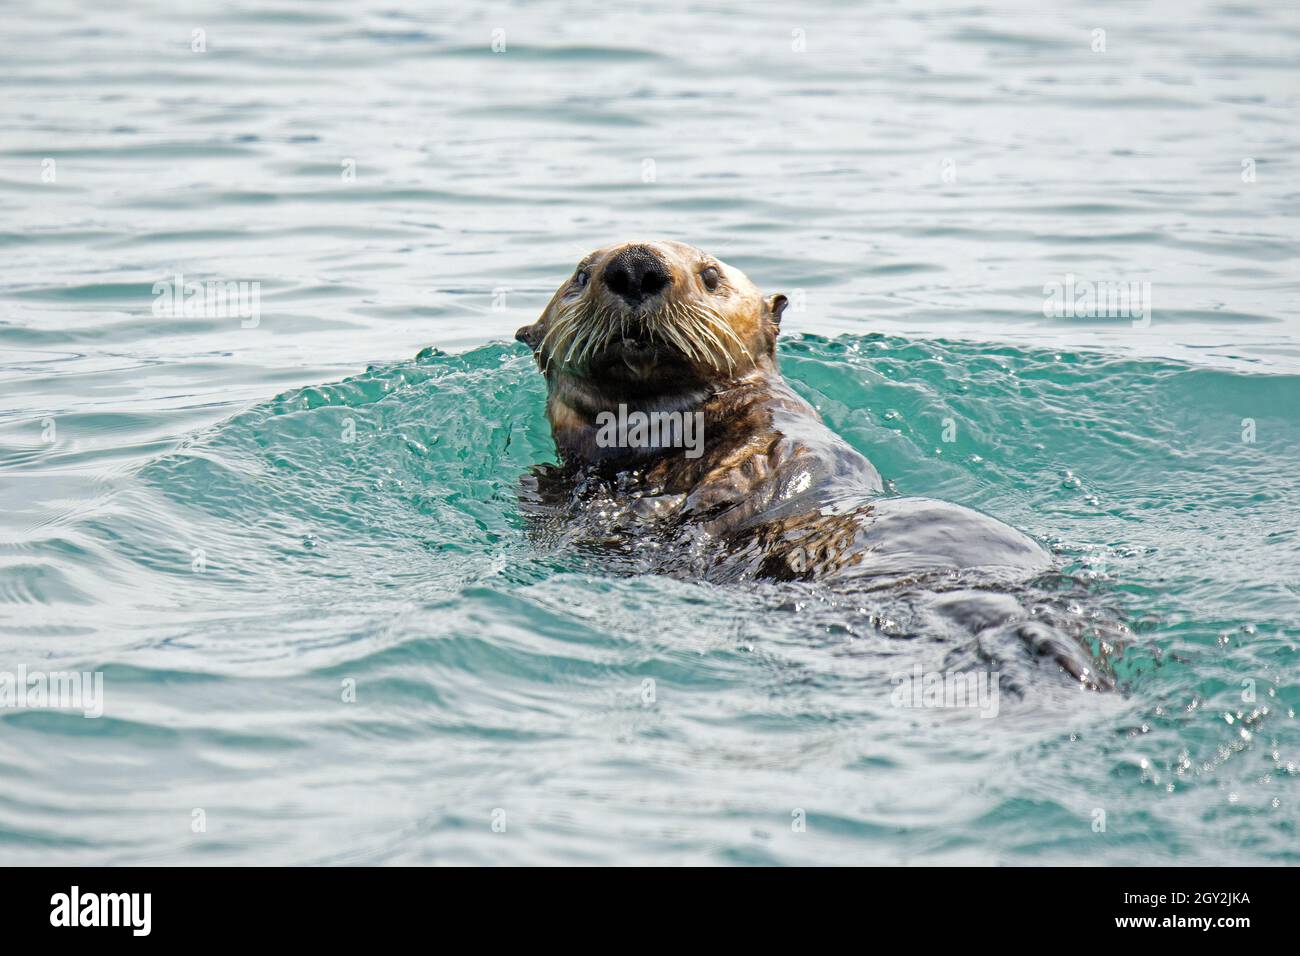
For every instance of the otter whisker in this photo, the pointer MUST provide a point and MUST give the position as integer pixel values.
(567, 332)
(718, 324)
(700, 328)
(721, 325)
(672, 333)
(582, 337)
(600, 330)
(690, 332)
(565, 326)
(694, 328)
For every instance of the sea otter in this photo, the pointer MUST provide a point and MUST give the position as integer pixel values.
(681, 443)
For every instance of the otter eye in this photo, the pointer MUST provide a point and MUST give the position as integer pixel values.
(581, 278)
(712, 277)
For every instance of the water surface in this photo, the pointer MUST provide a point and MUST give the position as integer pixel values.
(235, 525)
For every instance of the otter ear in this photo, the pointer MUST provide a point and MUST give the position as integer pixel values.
(775, 306)
(530, 335)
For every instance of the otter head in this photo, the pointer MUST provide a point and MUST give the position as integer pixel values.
(651, 325)
(639, 316)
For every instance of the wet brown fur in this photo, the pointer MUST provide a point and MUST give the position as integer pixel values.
(775, 494)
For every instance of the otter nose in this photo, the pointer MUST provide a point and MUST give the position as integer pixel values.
(636, 273)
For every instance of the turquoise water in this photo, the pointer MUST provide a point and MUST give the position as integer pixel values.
(241, 526)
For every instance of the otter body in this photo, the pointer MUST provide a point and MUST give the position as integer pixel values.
(654, 334)
(780, 496)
